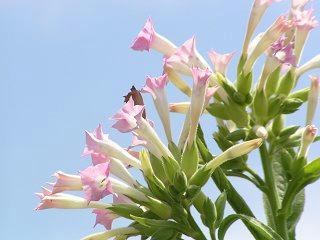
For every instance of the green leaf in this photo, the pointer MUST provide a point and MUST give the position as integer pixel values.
(163, 234)
(301, 94)
(125, 210)
(157, 165)
(267, 232)
(170, 166)
(295, 214)
(307, 175)
(220, 204)
(290, 105)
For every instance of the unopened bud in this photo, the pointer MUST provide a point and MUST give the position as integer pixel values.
(308, 136)
(260, 132)
(234, 152)
(313, 99)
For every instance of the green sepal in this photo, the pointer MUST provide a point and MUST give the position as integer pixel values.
(288, 131)
(274, 106)
(301, 94)
(244, 83)
(277, 125)
(290, 105)
(218, 110)
(171, 166)
(125, 210)
(272, 82)
(180, 182)
(260, 106)
(237, 135)
(201, 176)
(175, 151)
(209, 214)
(286, 84)
(190, 159)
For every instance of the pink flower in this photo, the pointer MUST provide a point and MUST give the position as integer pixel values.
(66, 182)
(299, 4)
(284, 54)
(200, 79)
(220, 61)
(128, 116)
(156, 87)
(97, 158)
(313, 99)
(148, 38)
(104, 217)
(137, 141)
(305, 19)
(308, 136)
(95, 182)
(120, 198)
(185, 57)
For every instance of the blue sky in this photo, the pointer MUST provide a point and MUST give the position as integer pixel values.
(64, 67)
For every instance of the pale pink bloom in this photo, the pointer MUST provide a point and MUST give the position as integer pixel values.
(258, 9)
(45, 192)
(299, 4)
(66, 182)
(210, 91)
(156, 87)
(304, 22)
(95, 182)
(273, 33)
(185, 57)
(104, 217)
(148, 38)
(128, 116)
(220, 61)
(200, 80)
(313, 99)
(97, 158)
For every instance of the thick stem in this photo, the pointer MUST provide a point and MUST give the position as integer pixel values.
(272, 194)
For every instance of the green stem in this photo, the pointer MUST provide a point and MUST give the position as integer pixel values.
(255, 175)
(272, 195)
(198, 233)
(212, 234)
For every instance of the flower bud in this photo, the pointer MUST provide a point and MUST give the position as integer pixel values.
(313, 99)
(111, 233)
(234, 152)
(308, 136)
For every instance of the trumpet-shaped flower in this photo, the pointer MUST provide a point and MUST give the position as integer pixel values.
(200, 80)
(128, 116)
(109, 148)
(258, 9)
(284, 54)
(148, 38)
(304, 22)
(273, 33)
(95, 181)
(66, 182)
(220, 61)
(311, 64)
(156, 87)
(104, 217)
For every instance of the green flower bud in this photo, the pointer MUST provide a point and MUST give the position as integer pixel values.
(290, 105)
(244, 83)
(237, 135)
(218, 110)
(260, 106)
(272, 82)
(180, 182)
(190, 159)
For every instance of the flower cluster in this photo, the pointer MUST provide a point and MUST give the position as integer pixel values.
(175, 172)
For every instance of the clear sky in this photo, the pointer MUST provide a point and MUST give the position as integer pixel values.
(64, 67)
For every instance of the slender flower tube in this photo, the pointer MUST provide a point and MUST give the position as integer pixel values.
(305, 22)
(308, 136)
(66, 201)
(104, 217)
(118, 169)
(234, 152)
(109, 148)
(66, 182)
(258, 9)
(313, 99)
(311, 64)
(148, 38)
(180, 107)
(95, 181)
(273, 33)
(220, 61)
(156, 87)
(198, 97)
(111, 233)
(129, 118)
(122, 188)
